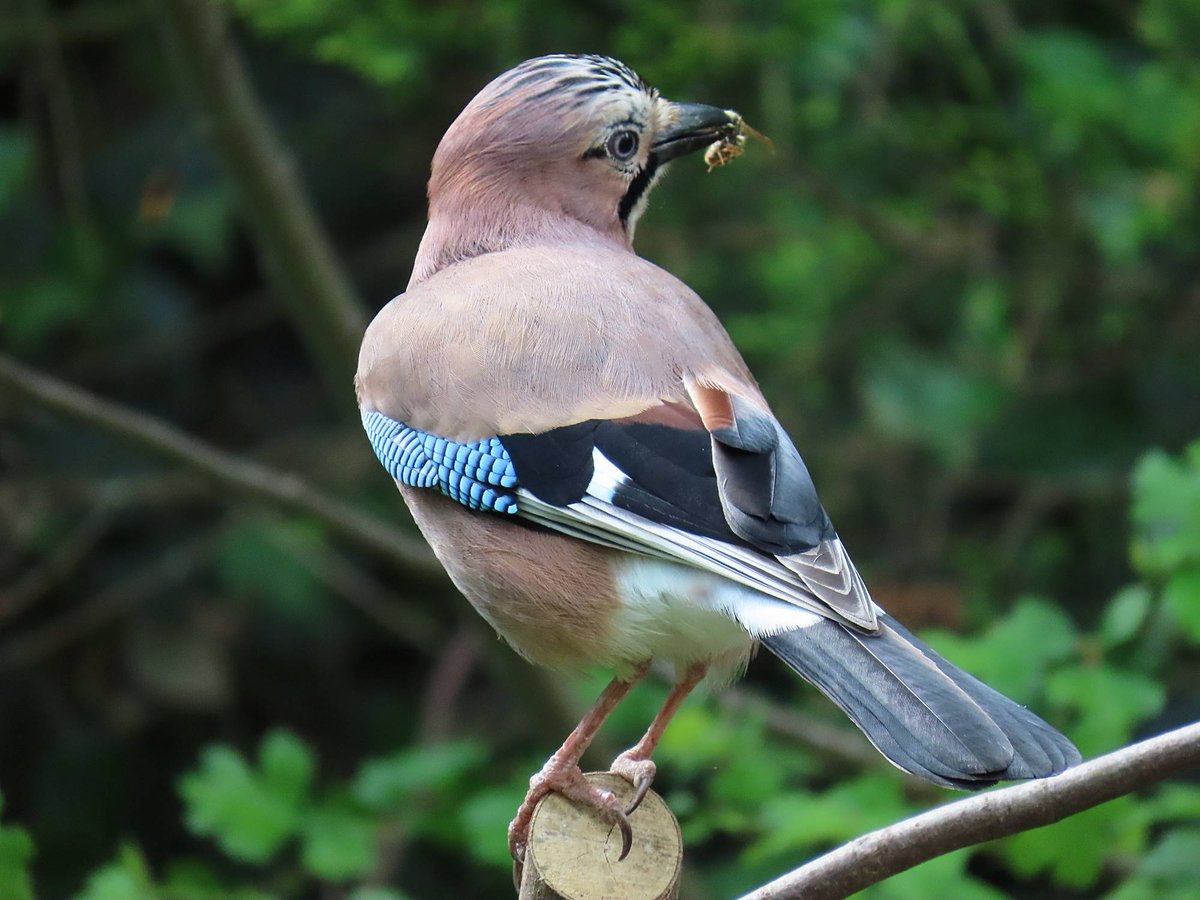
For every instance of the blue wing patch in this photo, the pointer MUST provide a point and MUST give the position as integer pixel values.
(478, 475)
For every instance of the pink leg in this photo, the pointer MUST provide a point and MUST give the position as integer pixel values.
(635, 763)
(562, 774)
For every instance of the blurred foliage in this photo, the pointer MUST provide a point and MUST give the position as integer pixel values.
(968, 280)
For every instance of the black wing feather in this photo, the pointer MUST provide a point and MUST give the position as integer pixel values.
(747, 487)
(554, 466)
(670, 476)
(769, 497)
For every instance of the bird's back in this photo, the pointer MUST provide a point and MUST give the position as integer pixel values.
(530, 339)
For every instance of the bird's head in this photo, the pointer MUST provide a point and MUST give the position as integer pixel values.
(575, 137)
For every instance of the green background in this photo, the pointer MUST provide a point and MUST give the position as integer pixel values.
(969, 281)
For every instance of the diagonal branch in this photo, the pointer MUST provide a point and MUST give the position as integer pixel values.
(300, 263)
(873, 857)
(225, 469)
(168, 568)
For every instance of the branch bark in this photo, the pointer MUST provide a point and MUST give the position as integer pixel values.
(300, 263)
(873, 857)
(555, 711)
(229, 471)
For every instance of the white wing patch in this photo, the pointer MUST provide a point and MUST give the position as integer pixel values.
(606, 477)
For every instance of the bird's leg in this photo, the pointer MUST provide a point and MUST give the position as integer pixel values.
(562, 774)
(635, 763)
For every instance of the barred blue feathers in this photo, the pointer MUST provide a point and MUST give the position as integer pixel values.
(478, 475)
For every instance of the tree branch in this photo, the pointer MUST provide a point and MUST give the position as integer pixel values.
(873, 857)
(300, 263)
(168, 568)
(38, 581)
(229, 471)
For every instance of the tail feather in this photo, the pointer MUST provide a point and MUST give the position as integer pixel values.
(926, 716)
(1041, 749)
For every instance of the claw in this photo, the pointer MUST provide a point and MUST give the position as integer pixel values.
(641, 788)
(606, 803)
(638, 771)
(622, 824)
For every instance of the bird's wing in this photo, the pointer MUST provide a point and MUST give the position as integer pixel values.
(610, 437)
(769, 499)
(727, 494)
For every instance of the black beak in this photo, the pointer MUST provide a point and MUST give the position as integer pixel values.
(695, 126)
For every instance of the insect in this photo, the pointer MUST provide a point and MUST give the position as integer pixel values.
(732, 143)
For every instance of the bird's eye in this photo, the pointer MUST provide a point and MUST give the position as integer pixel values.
(622, 145)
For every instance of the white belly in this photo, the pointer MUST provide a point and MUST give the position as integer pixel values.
(683, 615)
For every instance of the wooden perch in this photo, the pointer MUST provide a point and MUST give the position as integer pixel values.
(572, 854)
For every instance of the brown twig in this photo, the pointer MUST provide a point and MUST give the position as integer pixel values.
(66, 556)
(458, 658)
(61, 117)
(873, 857)
(166, 569)
(229, 471)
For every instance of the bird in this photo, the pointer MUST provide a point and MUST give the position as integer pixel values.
(596, 468)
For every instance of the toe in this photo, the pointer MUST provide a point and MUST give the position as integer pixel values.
(638, 772)
(641, 786)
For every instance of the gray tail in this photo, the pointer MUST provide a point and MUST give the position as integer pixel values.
(924, 714)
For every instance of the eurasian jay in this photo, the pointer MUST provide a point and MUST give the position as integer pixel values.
(595, 466)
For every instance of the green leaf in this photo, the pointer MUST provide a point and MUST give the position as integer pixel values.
(945, 876)
(188, 879)
(1015, 652)
(338, 843)
(1173, 803)
(249, 814)
(1174, 858)
(697, 739)
(747, 779)
(1166, 511)
(1146, 889)
(16, 853)
(287, 765)
(929, 401)
(1109, 704)
(126, 878)
(1125, 614)
(1167, 871)
(1181, 597)
(42, 306)
(796, 821)
(484, 822)
(1072, 84)
(1074, 850)
(391, 782)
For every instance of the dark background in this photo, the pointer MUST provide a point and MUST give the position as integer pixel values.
(967, 278)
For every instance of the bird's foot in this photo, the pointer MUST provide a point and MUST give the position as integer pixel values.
(566, 779)
(639, 771)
